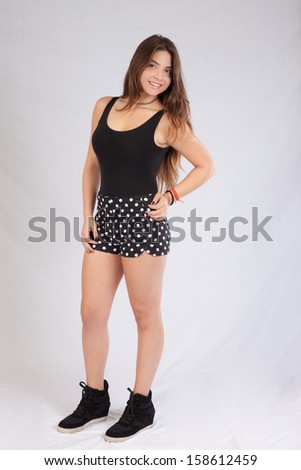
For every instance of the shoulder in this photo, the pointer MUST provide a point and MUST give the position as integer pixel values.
(99, 109)
(173, 133)
(100, 105)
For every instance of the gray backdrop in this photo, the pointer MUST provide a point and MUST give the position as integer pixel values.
(230, 374)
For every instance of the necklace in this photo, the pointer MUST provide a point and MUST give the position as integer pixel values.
(149, 102)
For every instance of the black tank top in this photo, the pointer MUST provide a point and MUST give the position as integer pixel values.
(129, 160)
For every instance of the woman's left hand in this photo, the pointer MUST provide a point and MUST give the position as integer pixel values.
(159, 205)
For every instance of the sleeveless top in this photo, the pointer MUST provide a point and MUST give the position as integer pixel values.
(129, 160)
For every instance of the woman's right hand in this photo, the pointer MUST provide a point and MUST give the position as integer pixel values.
(88, 227)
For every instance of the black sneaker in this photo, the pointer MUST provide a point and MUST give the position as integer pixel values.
(93, 408)
(137, 416)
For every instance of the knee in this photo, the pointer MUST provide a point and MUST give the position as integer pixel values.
(92, 315)
(147, 317)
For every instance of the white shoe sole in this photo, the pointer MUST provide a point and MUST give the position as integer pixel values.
(122, 439)
(80, 428)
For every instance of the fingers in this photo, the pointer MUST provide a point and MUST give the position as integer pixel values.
(85, 240)
(95, 231)
(159, 206)
(89, 227)
(156, 198)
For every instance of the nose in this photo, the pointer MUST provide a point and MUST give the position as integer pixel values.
(158, 75)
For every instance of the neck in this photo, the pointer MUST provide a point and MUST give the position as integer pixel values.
(149, 101)
(146, 97)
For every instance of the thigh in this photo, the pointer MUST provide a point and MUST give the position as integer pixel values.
(101, 275)
(144, 279)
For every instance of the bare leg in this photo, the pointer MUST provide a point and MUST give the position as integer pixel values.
(101, 275)
(144, 278)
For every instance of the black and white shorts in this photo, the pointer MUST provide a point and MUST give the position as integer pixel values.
(125, 230)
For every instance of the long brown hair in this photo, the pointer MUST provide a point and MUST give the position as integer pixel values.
(174, 100)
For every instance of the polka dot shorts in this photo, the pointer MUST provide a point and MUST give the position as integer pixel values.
(125, 230)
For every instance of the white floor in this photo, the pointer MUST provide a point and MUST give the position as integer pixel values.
(192, 412)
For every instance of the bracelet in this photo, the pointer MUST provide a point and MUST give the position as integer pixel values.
(175, 194)
(172, 196)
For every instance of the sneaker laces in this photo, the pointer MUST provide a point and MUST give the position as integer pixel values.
(128, 414)
(81, 409)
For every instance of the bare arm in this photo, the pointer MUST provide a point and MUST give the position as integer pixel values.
(91, 172)
(196, 153)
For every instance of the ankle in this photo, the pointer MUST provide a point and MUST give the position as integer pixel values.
(96, 385)
(141, 391)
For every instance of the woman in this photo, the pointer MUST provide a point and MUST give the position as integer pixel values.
(136, 144)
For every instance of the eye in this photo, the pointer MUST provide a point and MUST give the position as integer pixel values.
(169, 71)
(151, 65)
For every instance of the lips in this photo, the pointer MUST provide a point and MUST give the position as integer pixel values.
(154, 85)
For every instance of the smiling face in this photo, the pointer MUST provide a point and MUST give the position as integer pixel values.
(157, 75)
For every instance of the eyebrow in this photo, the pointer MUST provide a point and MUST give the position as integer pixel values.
(168, 66)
